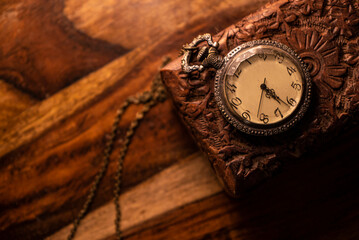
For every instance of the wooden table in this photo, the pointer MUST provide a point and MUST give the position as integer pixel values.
(66, 66)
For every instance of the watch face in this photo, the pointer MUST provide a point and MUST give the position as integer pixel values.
(263, 88)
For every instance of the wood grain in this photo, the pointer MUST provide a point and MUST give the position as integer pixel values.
(75, 46)
(133, 28)
(35, 121)
(12, 103)
(42, 52)
(188, 181)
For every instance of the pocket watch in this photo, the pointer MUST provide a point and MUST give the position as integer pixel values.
(268, 88)
(262, 87)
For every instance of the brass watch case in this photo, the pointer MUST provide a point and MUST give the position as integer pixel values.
(254, 47)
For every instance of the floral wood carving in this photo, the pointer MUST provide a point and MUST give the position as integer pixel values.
(324, 34)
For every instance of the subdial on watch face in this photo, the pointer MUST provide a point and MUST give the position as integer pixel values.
(265, 88)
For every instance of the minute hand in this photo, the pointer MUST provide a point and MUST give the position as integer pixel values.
(282, 101)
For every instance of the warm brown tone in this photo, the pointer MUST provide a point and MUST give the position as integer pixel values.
(65, 66)
(325, 35)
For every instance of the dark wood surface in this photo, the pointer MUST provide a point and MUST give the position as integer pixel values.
(65, 67)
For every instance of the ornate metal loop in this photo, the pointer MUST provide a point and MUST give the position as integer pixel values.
(211, 55)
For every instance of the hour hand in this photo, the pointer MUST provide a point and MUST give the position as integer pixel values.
(270, 93)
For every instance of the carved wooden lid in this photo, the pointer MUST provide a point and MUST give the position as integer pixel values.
(325, 37)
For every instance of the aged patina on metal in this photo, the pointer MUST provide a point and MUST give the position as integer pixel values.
(211, 56)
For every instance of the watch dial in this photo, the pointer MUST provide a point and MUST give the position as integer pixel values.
(263, 86)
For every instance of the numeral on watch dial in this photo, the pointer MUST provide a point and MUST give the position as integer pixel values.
(291, 101)
(264, 118)
(296, 86)
(246, 115)
(237, 74)
(231, 87)
(235, 102)
(279, 57)
(278, 113)
(262, 56)
(291, 70)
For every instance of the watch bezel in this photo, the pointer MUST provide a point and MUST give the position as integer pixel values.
(259, 129)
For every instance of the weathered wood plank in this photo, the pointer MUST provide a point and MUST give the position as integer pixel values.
(59, 174)
(42, 52)
(67, 157)
(130, 23)
(188, 181)
(12, 102)
(84, 132)
(35, 121)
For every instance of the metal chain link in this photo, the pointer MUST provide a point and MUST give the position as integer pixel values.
(148, 99)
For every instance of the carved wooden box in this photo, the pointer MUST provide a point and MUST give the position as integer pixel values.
(325, 35)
